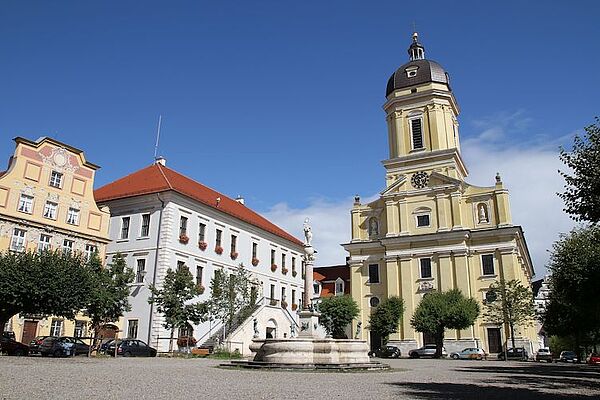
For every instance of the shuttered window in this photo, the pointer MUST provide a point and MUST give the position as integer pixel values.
(417, 134)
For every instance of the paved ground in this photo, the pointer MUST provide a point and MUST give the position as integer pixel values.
(162, 378)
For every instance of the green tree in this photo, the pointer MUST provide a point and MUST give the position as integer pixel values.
(109, 297)
(336, 313)
(50, 283)
(573, 309)
(582, 187)
(174, 301)
(511, 304)
(231, 296)
(439, 311)
(386, 318)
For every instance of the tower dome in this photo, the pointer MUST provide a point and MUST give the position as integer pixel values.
(417, 71)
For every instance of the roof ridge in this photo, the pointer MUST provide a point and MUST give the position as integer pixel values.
(164, 176)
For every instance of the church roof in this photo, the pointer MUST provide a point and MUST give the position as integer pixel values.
(158, 178)
(426, 71)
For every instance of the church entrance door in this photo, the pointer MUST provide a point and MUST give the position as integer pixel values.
(494, 340)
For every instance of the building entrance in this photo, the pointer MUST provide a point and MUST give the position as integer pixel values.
(494, 340)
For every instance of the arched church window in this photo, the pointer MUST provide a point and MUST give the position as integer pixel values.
(373, 227)
(482, 213)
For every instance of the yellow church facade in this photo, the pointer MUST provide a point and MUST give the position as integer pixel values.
(47, 202)
(430, 229)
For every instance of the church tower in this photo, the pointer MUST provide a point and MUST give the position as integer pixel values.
(430, 229)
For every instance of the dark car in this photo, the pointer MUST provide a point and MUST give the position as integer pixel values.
(63, 346)
(517, 353)
(568, 357)
(12, 347)
(386, 352)
(34, 345)
(129, 348)
(426, 351)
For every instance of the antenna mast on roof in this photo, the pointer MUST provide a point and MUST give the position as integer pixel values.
(157, 137)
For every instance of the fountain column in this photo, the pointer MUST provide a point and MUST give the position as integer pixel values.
(309, 318)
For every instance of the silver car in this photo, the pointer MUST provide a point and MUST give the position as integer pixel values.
(426, 351)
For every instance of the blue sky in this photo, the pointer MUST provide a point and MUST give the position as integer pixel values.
(281, 101)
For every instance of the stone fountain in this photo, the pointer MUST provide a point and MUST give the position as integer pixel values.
(308, 350)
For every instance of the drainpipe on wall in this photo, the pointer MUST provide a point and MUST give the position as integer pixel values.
(162, 207)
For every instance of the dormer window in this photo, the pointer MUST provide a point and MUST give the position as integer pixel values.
(411, 71)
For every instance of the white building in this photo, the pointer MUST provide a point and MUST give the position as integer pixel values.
(161, 219)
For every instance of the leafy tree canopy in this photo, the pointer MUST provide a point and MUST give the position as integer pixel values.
(50, 283)
(582, 187)
(510, 303)
(231, 296)
(439, 311)
(386, 318)
(336, 313)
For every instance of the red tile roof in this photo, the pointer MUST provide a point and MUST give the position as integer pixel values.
(157, 178)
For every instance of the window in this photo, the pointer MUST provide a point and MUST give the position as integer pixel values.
(56, 179)
(219, 236)
(125, 227)
(90, 250)
(233, 243)
(487, 262)
(132, 328)
(416, 133)
(373, 273)
(339, 287)
(180, 265)
(272, 257)
(293, 296)
(18, 240)
(56, 327)
(73, 216)
(183, 226)
(374, 301)
(199, 272)
(141, 270)
(293, 264)
(67, 246)
(26, 204)
(44, 243)
(316, 287)
(283, 261)
(254, 250)
(79, 330)
(272, 291)
(422, 220)
(50, 210)
(425, 267)
(201, 232)
(145, 225)
(283, 298)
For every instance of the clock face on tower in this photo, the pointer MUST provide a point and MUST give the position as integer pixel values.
(419, 180)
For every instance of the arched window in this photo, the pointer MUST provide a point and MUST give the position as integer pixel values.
(339, 287)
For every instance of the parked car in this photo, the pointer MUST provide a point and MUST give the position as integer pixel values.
(386, 352)
(426, 351)
(9, 335)
(63, 346)
(12, 347)
(470, 353)
(130, 348)
(517, 353)
(593, 359)
(544, 354)
(34, 345)
(568, 357)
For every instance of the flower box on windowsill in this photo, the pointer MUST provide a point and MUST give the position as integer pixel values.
(294, 307)
(273, 302)
(202, 245)
(184, 239)
(284, 271)
(284, 304)
(294, 273)
(255, 261)
(273, 267)
(233, 255)
(201, 289)
(219, 250)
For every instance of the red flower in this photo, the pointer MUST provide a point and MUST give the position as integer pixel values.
(183, 239)
(255, 261)
(201, 288)
(233, 255)
(219, 250)
(202, 245)
(284, 270)
(294, 307)
(273, 267)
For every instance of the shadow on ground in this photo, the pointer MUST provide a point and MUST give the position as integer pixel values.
(513, 381)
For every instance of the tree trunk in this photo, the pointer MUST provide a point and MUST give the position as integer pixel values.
(512, 334)
(171, 341)
(439, 343)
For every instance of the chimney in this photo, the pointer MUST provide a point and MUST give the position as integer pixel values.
(160, 160)
(240, 199)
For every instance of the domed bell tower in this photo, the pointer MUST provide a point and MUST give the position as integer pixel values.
(421, 114)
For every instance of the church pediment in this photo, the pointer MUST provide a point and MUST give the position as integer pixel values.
(438, 179)
(399, 185)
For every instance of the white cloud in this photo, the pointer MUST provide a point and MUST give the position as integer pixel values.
(528, 165)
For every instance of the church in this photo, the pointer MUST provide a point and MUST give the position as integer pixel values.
(430, 229)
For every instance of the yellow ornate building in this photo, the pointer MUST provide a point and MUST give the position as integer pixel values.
(430, 229)
(47, 201)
